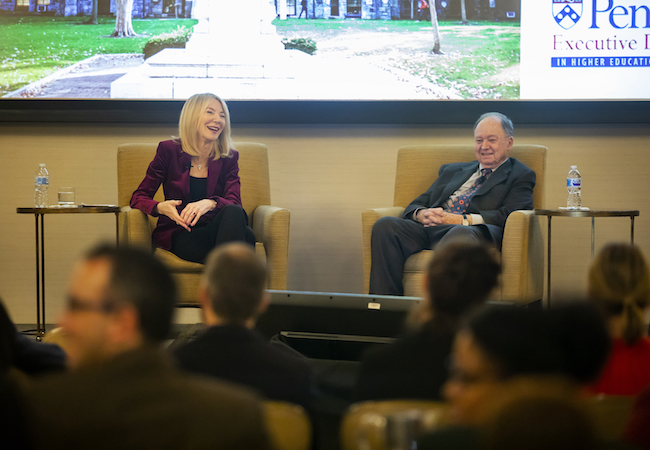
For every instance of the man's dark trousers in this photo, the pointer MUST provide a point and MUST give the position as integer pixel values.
(395, 239)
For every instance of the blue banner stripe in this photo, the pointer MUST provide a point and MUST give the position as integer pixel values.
(600, 61)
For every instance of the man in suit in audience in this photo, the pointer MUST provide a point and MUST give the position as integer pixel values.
(467, 201)
(122, 392)
(232, 297)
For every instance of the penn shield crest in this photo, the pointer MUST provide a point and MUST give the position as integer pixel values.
(567, 12)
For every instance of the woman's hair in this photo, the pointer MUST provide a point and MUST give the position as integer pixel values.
(569, 340)
(188, 126)
(619, 283)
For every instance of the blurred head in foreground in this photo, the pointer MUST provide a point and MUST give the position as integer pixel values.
(118, 299)
(497, 343)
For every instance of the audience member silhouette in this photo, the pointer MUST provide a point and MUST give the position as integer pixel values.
(14, 425)
(459, 277)
(498, 343)
(122, 391)
(232, 297)
(25, 354)
(619, 284)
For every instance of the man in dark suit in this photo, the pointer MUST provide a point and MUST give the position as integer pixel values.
(232, 297)
(122, 392)
(467, 201)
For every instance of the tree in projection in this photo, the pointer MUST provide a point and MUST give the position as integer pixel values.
(123, 25)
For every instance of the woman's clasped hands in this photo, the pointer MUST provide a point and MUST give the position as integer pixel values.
(190, 215)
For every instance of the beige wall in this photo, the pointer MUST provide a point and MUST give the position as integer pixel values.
(325, 174)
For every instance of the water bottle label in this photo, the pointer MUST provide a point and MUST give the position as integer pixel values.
(573, 182)
(43, 181)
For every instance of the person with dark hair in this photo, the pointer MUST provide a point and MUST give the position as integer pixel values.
(619, 284)
(459, 277)
(232, 297)
(122, 392)
(199, 173)
(498, 343)
(469, 201)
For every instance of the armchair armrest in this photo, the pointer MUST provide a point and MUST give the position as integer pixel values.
(135, 228)
(522, 257)
(368, 219)
(271, 227)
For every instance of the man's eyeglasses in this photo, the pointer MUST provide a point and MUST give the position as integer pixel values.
(77, 305)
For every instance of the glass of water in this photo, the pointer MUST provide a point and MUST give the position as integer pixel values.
(66, 196)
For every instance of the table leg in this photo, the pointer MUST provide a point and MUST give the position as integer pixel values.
(632, 230)
(38, 279)
(548, 266)
(117, 229)
(41, 331)
(593, 235)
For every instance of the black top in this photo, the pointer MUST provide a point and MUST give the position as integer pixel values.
(414, 367)
(198, 188)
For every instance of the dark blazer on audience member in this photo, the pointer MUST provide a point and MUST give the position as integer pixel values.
(137, 401)
(414, 367)
(240, 355)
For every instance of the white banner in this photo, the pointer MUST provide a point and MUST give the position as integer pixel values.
(585, 49)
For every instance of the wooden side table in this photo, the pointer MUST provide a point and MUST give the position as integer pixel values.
(550, 213)
(39, 213)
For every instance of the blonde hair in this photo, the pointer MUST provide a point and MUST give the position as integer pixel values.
(188, 127)
(619, 282)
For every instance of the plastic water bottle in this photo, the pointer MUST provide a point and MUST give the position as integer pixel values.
(41, 183)
(573, 182)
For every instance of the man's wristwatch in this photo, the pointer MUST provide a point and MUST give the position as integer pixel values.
(465, 221)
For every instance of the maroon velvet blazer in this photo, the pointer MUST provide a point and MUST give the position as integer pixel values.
(171, 168)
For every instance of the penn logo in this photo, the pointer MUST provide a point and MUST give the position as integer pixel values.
(567, 12)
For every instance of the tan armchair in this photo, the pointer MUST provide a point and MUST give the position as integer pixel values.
(270, 223)
(287, 425)
(522, 252)
(367, 418)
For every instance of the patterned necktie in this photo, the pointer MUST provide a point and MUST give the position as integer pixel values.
(459, 206)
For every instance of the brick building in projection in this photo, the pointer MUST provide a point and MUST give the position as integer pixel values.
(496, 10)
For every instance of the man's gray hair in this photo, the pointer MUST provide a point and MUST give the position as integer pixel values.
(506, 123)
(235, 278)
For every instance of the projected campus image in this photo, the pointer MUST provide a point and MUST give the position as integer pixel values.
(322, 49)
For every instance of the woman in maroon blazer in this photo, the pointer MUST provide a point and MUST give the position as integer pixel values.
(200, 178)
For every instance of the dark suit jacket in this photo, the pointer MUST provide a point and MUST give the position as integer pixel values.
(138, 401)
(508, 189)
(240, 355)
(412, 368)
(171, 168)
